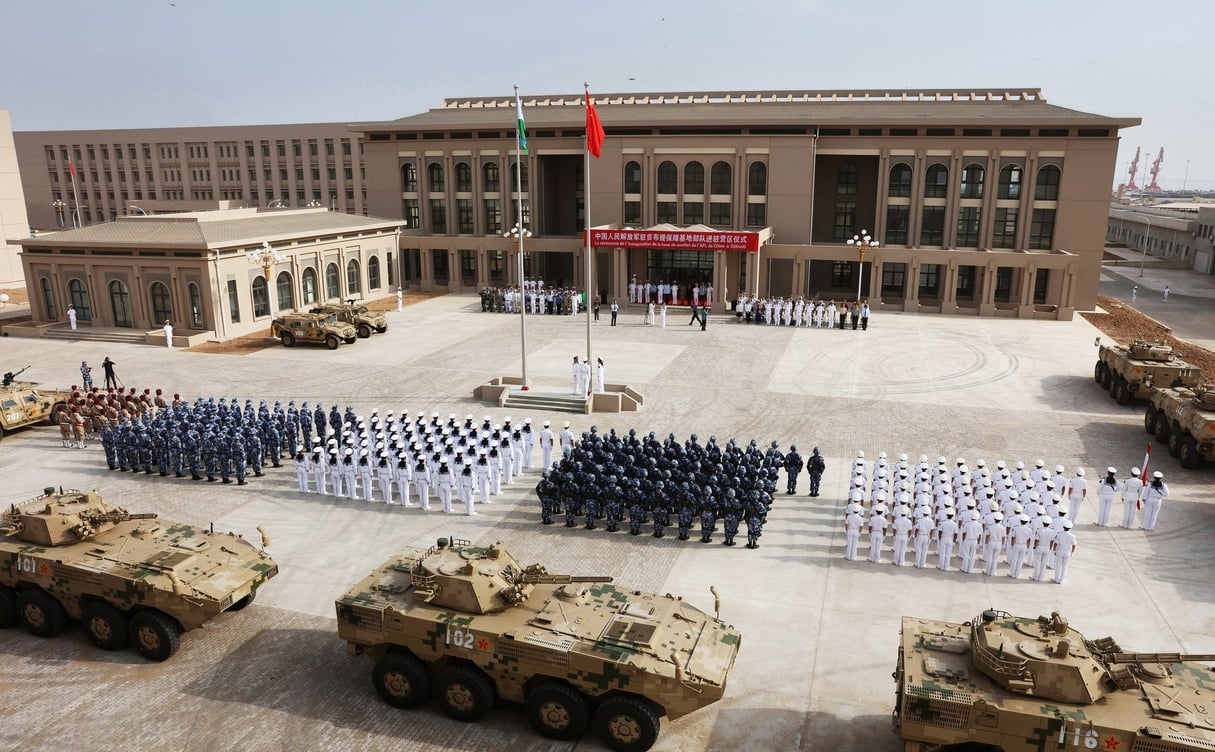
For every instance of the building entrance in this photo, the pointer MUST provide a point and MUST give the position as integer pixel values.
(682, 268)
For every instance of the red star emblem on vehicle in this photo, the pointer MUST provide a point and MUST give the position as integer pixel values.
(43, 569)
(1111, 743)
(482, 644)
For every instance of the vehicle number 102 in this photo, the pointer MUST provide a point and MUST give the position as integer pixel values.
(460, 638)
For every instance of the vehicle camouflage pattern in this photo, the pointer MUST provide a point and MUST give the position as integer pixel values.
(1130, 373)
(477, 626)
(291, 328)
(23, 403)
(124, 576)
(358, 316)
(1185, 420)
(1016, 684)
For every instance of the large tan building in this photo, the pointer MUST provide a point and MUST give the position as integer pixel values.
(13, 221)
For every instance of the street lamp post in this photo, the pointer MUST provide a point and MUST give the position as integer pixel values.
(517, 234)
(59, 206)
(266, 257)
(142, 212)
(863, 242)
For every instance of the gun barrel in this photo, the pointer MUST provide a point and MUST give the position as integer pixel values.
(1158, 657)
(560, 579)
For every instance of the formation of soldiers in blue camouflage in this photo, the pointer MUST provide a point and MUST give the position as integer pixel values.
(633, 480)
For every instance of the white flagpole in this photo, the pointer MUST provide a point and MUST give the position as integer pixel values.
(586, 197)
(519, 231)
(75, 197)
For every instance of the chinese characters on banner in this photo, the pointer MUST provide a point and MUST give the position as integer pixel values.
(676, 240)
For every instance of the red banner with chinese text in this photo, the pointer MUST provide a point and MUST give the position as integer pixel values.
(675, 240)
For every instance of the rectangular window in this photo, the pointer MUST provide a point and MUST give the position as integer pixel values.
(438, 261)
(1003, 290)
(930, 280)
(932, 228)
(1042, 229)
(719, 213)
(316, 173)
(1041, 285)
(299, 174)
(348, 173)
(468, 267)
(845, 220)
(968, 227)
(841, 274)
(668, 181)
(1005, 235)
(666, 212)
(493, 216)
(312, 148)
(893, 278)
(897, 218)
(966, 283)
(438, 216)
(464, 215)
(757, 215)
(632, 212)
(496, 261)
(693, 213)
(332, 174)
(233, 302)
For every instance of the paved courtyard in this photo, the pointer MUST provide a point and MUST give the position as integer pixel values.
(820, 635)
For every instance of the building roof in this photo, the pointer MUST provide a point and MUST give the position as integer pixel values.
(211, 229)
(785, 108)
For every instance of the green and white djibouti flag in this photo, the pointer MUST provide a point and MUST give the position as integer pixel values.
(522, 126)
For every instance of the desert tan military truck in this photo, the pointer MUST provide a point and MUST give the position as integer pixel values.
(358, 316)
(1015, 684)
(129, 578)
(1185, 420)
(471, 625)
(23, 403)
(291, 328)
(1130, 373)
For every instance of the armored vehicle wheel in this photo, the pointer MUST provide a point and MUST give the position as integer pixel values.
(1097, 371)
(382, 329)
(1107, 378)
(1149, 420)
(401, 680)
(557, 711)
(464, 692)
(243, 602)
(332, 342)
(1163, 427)
(155, 635)
(288, 339)
(8, 607)
(364, 331)
(105, 625)
(42, 615)
(1189, 456)
(1125, 394)
(1176, 437)
(627, 724)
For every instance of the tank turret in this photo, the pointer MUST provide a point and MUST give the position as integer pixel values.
(68, 518)
(1154, 351)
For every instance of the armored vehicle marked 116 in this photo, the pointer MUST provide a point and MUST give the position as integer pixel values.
(124, 576)
(23, 403)
(475, 625)
(1130, 373)
(1185, 420)
(291, 328)
(358, 316)
(1002, 683)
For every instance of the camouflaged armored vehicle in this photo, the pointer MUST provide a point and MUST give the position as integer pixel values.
(291, 328)
(126, 577)
(1130, 373)
(471, 626)
(1185, 420)
(23, 403)
(1011, 684)
(358, 316)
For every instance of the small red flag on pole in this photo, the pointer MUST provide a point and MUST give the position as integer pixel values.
(594, 129)
(71, 167)
(1143, 475)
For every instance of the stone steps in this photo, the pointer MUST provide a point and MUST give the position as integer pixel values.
(97, 335)
(557, 403)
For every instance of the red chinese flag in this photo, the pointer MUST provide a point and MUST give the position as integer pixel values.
(594, 129)
(71, 167)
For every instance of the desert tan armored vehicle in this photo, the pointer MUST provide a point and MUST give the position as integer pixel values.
(291, 328)
(471, 625)
(1130, 373)
(126, 577)
(1011, 684)
(1185, 419)
(23, 403)
(358, 316)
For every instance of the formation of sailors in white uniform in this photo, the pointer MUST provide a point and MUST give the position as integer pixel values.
(800, 312)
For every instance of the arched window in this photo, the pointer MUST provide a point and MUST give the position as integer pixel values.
(972, 181)
(522, 180)
(309, 280)
(261, 297)
(352, 278)
(80, 298)
(936, 181)
(463, 177)
(719, 179)
(49, 299)
(1047, 187)
(434, 173)
(1010, 182)
(900, 181)
(846, 179)
(162, 310)
(632, 177)
(285, 292)
(373, 273)
(120, 304)
(757, 179)
(409, 177)
(196, 312)
(693, 178)
(668, 178)
(490, 172)
(333, 287)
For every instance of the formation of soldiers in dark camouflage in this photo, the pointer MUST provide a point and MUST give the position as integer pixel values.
(634, 480)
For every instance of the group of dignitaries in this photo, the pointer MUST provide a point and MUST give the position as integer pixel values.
(534, 298)
(695, 295)
(816, 314)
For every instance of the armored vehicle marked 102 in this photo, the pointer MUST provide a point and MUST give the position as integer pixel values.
(124, 576)
(1185, 420)
(476, 626)
(1130, 373)
(1003, 683)
(23, 403)
(291, 328)
(358, 316)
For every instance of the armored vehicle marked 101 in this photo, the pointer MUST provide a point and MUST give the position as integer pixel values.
(358, 316)
(1130, 373)
(124, 576)
(1003, 683)
(23, 403)
(291, 328)
(475, 625)
(1185, 420)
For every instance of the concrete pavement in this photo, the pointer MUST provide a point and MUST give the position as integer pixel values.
(820, 635)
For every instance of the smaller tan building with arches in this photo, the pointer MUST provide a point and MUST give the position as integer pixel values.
(193, 270)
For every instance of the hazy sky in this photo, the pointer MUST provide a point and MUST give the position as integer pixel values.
(148, 63)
